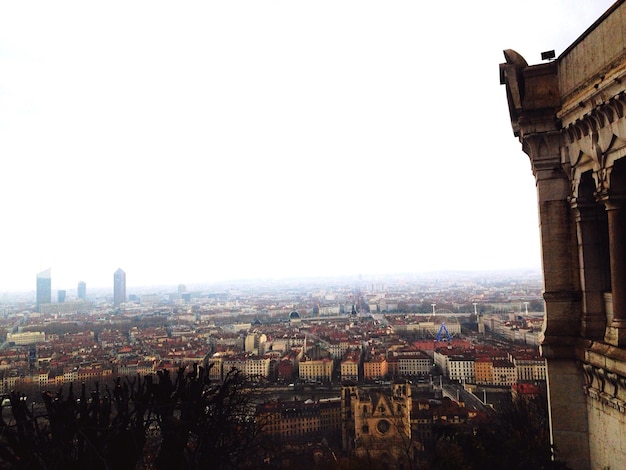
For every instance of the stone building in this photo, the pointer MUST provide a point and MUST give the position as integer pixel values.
(377, 425)
(311, 370)
(432, 419)
(26, 337)
(570, 117)
(294, 420)
(375, 368)
(350, 365)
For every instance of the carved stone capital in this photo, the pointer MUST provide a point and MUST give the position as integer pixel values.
(603, 178)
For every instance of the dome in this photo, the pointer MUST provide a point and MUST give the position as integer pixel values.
(294, 315)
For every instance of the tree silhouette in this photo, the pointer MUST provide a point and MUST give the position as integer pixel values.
(516, 437)
(161, 422)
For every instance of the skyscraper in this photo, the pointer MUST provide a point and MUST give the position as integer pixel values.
(61, 296)
(44, 288)
(119, 287)
(82, 291)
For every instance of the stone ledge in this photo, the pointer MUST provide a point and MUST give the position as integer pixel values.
(558, 347)
(606, 356)
(604, 368)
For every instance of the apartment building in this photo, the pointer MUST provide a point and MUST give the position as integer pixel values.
(529, 367)
(295, 420)
(257, 367)
(375, 368)
(350, 366)
(504, 373)
(461, 368)
(311, 370)
(414, 363)
(26, 337)
(483, 370)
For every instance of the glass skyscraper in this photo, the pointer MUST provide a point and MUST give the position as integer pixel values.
(44, 288)
(119, 287)
(82, 291)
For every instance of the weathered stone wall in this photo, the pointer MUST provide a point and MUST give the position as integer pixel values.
(594, 54)
(606, 436)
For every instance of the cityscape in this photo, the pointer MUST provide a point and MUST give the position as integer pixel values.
(315, 235)
(454, 348)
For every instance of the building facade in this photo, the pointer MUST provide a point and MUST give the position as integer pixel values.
(311, 370)
(290, 421)
(375, 368)
(570, 116)
(411, 365)
(350, 366)
(377, 425)
(26, 337)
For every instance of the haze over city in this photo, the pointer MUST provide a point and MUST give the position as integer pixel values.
(203, 142)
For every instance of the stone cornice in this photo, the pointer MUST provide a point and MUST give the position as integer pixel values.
(600, 88)
(607, 356)
(593, 134)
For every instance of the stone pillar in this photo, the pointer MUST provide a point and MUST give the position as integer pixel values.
(568, 413)
(561, 330)
(616, 330)
(593, 276)
(559, 253)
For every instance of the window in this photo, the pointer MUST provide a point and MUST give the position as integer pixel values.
(383, 426)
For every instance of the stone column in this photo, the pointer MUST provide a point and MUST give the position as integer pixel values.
(615, 206)
(568, 413)
(559, 254)
(593, 273)
(568, 416)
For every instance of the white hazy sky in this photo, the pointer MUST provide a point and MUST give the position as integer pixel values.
(200, 141)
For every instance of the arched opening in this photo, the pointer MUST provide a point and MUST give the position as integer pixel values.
(616, 211)
(593, 250)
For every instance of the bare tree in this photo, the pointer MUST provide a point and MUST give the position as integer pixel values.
(161, 422)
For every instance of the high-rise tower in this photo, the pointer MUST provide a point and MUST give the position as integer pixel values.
(119, 287)
(82, 291)
(44, 288)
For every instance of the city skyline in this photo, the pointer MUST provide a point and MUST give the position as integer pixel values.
(206, 143)
(45, 284)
